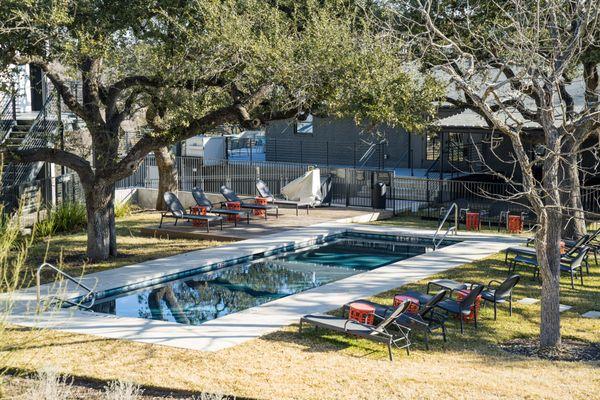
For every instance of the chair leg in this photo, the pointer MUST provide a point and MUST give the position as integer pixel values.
(207, 226)
(461, 323)
(495, 310)
(176, 219)
(300, 329)
(581, 275)
(510, 305)
(444, 333)
(161, 220)
(389, 345)
(426, 340)
(572, 285)
(475, 315)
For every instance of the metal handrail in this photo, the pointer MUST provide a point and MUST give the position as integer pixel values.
(453, 228)
(7, 121)
(89, 297)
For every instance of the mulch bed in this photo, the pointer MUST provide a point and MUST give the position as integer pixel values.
(570, 350)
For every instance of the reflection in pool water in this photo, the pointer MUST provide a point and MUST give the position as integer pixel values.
(213, 294)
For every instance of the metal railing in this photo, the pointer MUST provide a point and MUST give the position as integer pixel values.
(452, 228)
(7, 117)
(90, 296)
(41, 134)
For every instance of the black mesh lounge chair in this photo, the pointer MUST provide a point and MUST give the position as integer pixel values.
(264, 192)
(177, 211)
(426, 320)
(501, 293)
(572, 266)
(387, 331)
(231, 196)
(572, 248)
(461, 308)
(203, 201)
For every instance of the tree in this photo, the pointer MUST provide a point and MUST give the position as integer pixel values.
(511, 63)
(194, 65)
(168, 177)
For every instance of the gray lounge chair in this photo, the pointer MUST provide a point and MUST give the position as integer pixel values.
(203, 201)
(426, 320)
(388, 331)
(459, 308)
(573, 265)
(177, 211)
(231, 196)
(264, 192)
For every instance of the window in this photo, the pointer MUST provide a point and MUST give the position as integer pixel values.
(456, 148)
(432, 149)
(305, 127)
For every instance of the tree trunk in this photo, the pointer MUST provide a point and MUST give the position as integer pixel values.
(548, 254)
(101, 233)
(167, 175)
(574, 218)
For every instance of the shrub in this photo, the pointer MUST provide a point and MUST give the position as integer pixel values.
(49, 385)
(123, 209)
(67, 217)
(120, 390)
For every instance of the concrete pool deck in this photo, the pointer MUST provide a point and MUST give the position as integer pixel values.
(239, 327)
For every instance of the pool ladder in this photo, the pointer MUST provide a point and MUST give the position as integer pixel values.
(451, 228)
(89, 298)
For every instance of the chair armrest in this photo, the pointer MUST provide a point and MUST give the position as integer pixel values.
(489, 285)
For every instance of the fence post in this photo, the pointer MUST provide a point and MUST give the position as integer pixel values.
(327, 151)
(301, 157)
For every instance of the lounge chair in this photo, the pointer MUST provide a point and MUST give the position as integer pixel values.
(264, 192)
(387, 331)
(460, 308)
(176, 210)
(572, 266)
(231, 196)
(572, 248)
(203, 201)
(426, 320)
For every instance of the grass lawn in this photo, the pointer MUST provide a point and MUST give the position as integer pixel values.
(68, 250)
(289, 365)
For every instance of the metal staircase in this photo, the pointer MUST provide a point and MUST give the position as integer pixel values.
(40, 132)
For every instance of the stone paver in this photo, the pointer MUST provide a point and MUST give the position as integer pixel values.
(527, 300)
(591, 314)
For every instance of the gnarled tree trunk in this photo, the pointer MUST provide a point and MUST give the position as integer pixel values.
(100, 205)
(167, 175)
(574, 218)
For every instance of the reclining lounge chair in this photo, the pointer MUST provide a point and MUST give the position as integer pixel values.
(426, 320)
(176, 210)
(264, 192)
(231, 196)
(388, 331)
(203, 201)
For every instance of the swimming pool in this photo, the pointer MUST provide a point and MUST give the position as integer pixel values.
(218, 290)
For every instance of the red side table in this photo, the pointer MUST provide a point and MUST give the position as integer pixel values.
(461, 294)
(233, 205)
(363, 313)
(261, 201)
(515, 224)
(198, 210)
(473, 222)
(413, 307)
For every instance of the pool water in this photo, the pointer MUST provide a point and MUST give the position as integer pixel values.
(210, 295)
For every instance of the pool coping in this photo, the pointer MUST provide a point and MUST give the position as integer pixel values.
(236, 328)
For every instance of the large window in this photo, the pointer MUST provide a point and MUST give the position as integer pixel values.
(457, 151)
(432, 148)
(305, 127)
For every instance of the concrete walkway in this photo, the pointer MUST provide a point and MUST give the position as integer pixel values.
(237, 328)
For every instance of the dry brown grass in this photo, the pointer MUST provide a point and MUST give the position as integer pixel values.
(289, 365)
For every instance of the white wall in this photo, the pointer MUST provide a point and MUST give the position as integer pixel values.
(146, 198)
(211, 148)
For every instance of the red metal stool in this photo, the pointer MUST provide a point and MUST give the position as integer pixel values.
(261, 201)
(473, 222)
(461, 294)
(198, 210)
(363, 313)
(514, 224)
(233, 205)
(413, 307)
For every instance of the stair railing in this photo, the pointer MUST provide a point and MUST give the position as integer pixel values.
(451, 228)
(40, 135)
(89, 298)
(7, 117)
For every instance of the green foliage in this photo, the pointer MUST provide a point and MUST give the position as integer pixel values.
(123, 209)
(67, 217)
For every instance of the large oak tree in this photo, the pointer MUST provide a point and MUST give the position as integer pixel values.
(194, 65)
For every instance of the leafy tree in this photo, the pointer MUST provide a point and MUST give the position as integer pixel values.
(512, 63)
(194, 65)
